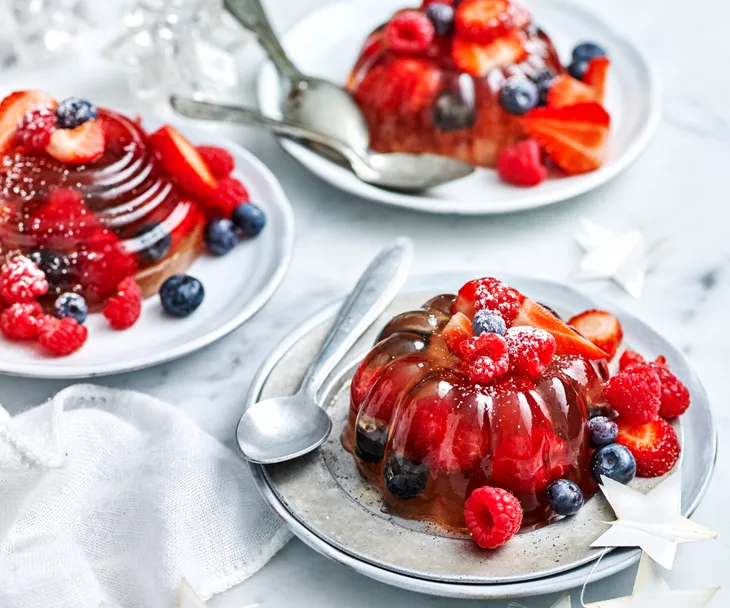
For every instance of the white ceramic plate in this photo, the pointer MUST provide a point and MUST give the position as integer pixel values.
(326, 44)
(236, 287)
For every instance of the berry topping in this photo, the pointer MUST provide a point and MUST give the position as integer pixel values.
(595, 77)
(479, 59)
(601, 328)
(492, 294)
(488, 322)
(518, 95)
(483, 20)
(404, 477)
(601, 431)
(458, 329)
(543, 81)
(613, 461)
(654, 446)
(409, 32)
(675, 397)
(64, 221)
(14, 107)
(21, 321)
(152, 242)
(567, 91)
(484, 357)
(574, 137)
(61, 336)
(229, 194)
(587, 51)
(629, 357)
(104, 263)
(73, 112)
(442, 17)
(453, 111)
(21, 280)
(577, 68)
(219, 160)
(78, 146)
(492, 516)
(530, 350)
(71, 305)
(248, 219)
(181, 295)
(635, 394)
(521, 164)
(35, 129)
(220, 236)
(123, 309)
(564, 497)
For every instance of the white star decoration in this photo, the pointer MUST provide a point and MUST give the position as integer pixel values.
(620, 257)
(650, 589)
(652, 521)
(187, 598)
(563, 602)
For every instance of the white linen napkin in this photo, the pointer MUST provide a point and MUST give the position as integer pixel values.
(109, 498)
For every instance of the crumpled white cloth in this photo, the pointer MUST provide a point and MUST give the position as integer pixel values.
(109, 498)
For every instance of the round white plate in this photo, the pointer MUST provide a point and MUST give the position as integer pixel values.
(236, 287)
(327, 42)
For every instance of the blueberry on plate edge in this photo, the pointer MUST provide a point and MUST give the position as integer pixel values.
(220, 235)
(181, 295)
(614, 461)
(71, 305)
(565, 497)
(601, 431)
(249, 219)
(588, 51)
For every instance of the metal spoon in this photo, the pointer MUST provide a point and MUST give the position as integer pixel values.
(318, 104)
(398, 171)
(283, 428)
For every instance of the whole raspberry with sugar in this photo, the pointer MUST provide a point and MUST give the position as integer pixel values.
(21, 280)
(492, 294)
(492, 516)
(219, 160)
(484, 357)
(229, 193)
(635, 394)
(21, 321)
(35, 128)
(61, 336)
(530, 349)
(123, 309)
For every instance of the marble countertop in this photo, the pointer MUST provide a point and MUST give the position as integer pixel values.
(676, 193)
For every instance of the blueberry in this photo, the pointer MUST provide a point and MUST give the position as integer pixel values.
(155, 241)
(442, 17)
(518, 95)
(614, 461)
(452, 111)
(220, 235)
(55, 265)
(564, 497)
(71, 305)
(488, 322)
(577, 68)
(73, 112)
(370, 440)
(587, 51)
(543, 81)
(602, 431)
(404, 477)
(181, 295)
(249, 219)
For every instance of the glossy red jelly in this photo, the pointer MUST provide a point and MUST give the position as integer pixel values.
(426, 436)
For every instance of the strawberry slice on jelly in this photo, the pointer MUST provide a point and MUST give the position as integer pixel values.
(14, 107)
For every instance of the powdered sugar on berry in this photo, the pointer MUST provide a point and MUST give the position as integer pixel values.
(492, 294)
(21, 281)
(530, 349)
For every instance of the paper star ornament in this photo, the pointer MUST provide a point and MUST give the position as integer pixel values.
(563, 602)
(609, 255)
(187, 598)
(650, 589)
(652, 521)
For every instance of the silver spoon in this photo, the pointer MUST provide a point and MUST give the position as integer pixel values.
(283, 428)
(318, 104)
(398, 171)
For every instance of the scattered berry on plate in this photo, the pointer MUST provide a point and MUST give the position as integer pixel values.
(518, 95)
(21, 321)
(564, 497)
(530, 349)
(123, 309)
(567, 91)
(654, 446)
(458, 329)
(104, 263)
(71, 305)
(61, 336)
(14, 107)
(220, 235)
(488, 322)
(484, 357)
(601, 431)
(587, 51)
(442, 17)
(614, 461)
(219, 160)
(154, 241)
(409, 32)
(521, 164)
(404, 477)
(629, 357)
(78, 146)
(248, 219)
(73, 112)
(482, 20)
(21, 281)
(595, 77)
(675, 397)
(479, 59)
(492, 516)
(35, 128)
(635, 394)
(181, 295)
(451, 111)
(600, 327)
(228, 194)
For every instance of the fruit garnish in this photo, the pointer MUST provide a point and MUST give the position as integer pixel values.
(587, 51)
(409, 32)
(629, 357)
(14, 107)
(479, 59)
(600, 327)
(61, 336)
(488, 322)
(72, 112)
(428, 421)
(64, 221)
(183, 161)
(228, 194)
(104, 263)
(71, 305)
(521, 164)
(451, 111)
(123, 309)
(220, 235)
(21, 281)
(574, 137)
(35, 129)
(564, 497)
(492, 516)
(441, 15)
(219, 160)
(675, 397)
(248, 219)
(21, 321)
(181, 295)
(78, 146)
(458, 329)
(465, 450)
(530, 350)
(635, 394)
(518, 95)
(595, 76)
(484, 357)
(567, 91)
(601, 431)
(482, 20)
(613, 461)
(654, 446)
(493, 294)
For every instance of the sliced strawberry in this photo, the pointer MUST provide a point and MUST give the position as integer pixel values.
(567, 91)
(482, 20)
(84, 144)
(464, 302)
(183, 161)
(595, 76)
(14, 107)
(573, 136)
(654, 446)
(601, 328)
(479, 59)
(458, 329)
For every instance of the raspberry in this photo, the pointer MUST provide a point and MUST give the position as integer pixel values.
(219, 160)
(35, 128)
(530, 350)
(464, 452)
(64, 221)
(21, 321)
(427, 428)
(629, 357)
(123, 310)
(675, 396)
(635, 394)
(229, 193)
(21, 281)
(521, 164)
(61, 336)
(104, 264)
(654, 446)
(484, 357)
(409, 32)
(492, 516)
(492, 294)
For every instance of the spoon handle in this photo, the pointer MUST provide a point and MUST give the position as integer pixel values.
(251, 15)
(375, 290)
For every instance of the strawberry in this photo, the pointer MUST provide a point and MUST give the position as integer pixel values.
(482, 20)
(654, 446)
(601, 328)
(567, 91)
(595, 76)
(183, 161)
(479, 59)
(84, 144)
(458, 329)
(14, 107)
(573, 136)
(521, 164)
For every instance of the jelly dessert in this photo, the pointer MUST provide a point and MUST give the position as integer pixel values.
(96, 213)
(475, 79)
(487, 400)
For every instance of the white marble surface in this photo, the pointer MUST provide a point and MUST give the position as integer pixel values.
(677, 193)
